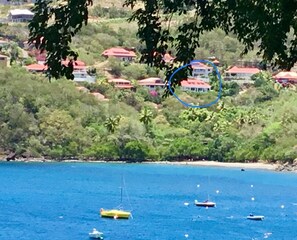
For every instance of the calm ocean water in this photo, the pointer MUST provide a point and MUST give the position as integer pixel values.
(61, 201)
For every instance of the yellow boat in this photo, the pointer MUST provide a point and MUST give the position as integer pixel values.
(114, 213)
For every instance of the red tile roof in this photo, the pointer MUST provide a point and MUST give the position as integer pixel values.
(151, 82)
(36, 67)
(77, 64)
(121, 83)
(39, 67)
(287, 75)
(243, 70)
(194, 83)
(118, 52)
(199, 65)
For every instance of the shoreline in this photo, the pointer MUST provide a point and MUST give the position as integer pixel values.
(256, 165)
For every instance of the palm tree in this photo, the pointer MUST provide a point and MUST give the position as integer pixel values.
(146, 116)
(111, 123)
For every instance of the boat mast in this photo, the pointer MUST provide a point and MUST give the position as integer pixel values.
(122, 189)
(121, 194)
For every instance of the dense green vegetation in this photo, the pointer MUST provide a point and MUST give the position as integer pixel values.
(56, 120)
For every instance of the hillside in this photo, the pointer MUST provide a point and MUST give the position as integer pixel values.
(58, 121)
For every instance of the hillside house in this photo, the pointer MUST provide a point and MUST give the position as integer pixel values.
(121, 83)
(241, 74)
(195, 85)
(80, 72)
(286, 78)
(81, 75)
(119, 53)
(36, 68)
(152, 83)
(20, 15)
(201, 71)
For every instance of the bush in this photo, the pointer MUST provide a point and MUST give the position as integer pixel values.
(110, 12)
(135, 71)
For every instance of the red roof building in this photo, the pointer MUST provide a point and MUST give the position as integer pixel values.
(201, 71)
(286, 77)
(195, 85)
(77, 64)
(241, 74)
(35, 67)
(119, 53)
(80, 71)
(152, 83)
(121, 83)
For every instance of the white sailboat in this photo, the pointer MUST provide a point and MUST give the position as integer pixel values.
(95, 234)
(252, 216)
(207, 203)
(255, 217)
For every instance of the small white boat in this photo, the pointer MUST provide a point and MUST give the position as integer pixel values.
(95, 234)
(205, 204)
(255, 217)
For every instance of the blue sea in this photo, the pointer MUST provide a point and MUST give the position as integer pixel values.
(61, 201)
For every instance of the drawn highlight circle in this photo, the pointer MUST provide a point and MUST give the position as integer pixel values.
(191, 105)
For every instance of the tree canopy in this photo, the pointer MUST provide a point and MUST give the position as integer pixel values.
(269, 24)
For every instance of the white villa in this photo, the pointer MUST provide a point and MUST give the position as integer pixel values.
(201, 71)
(152, 83)
(119, 53)
(241, 74)
(195, 85)
(81, 75)
(20, 15)
(121, 83)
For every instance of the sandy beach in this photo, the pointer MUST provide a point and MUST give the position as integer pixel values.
(257, 165)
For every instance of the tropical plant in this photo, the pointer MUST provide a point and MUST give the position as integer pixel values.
(146, 116)
(111, 123)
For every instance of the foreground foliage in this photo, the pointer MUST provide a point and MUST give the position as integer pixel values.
(252, 22)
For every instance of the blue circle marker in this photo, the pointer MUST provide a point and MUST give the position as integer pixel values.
(191, 105)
